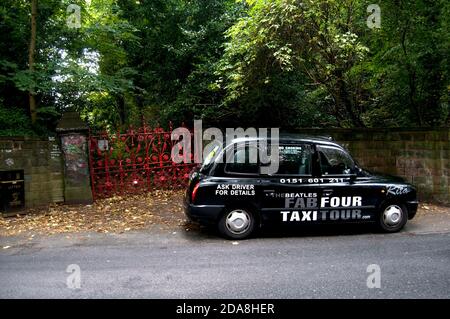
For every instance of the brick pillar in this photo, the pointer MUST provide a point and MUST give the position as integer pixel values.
(73, 133)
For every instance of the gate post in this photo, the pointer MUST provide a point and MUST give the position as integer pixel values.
(73, 133)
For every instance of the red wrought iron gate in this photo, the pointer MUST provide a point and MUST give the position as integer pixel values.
(133, 162)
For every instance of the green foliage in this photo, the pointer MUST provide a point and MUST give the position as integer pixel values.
(316, 41)
(14, 122)
(285, 63)
(354, 76)
(180, 41)
(411, 62)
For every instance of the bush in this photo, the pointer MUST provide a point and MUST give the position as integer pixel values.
(15, 122)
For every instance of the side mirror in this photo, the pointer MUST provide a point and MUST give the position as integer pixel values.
(358, 170)
(354, 173)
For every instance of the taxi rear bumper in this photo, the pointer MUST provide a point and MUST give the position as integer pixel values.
(203, 214)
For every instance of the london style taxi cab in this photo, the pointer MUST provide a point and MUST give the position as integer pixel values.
(317, 182)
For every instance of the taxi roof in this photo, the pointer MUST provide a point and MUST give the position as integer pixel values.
(291, 138)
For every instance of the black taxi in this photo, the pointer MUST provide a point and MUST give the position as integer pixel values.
(316, 182)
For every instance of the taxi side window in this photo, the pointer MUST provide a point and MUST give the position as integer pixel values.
(243, 161)
(294, 160)
(334, 161)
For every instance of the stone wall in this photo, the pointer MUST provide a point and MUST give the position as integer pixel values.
(41, 161)
(421, 156)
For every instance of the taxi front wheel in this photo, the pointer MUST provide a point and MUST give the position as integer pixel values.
(392, 218)
(237, 224)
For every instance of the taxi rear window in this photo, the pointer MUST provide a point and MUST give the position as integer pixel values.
(294, 160)
(243, 161)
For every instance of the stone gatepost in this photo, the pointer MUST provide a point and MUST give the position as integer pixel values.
(73, 133)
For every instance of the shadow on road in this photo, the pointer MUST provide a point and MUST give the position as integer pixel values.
(197, 232)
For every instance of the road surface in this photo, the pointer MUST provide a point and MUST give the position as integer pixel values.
(196, 264)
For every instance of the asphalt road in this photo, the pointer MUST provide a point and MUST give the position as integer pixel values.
(197, 265)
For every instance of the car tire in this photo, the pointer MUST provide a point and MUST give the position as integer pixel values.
(393, 218)
(237, 223)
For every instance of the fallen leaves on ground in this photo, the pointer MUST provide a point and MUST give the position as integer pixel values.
(428, 208)
(161, 208)
(112, 215)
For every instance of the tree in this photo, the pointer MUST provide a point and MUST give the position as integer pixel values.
(286, 63)
(179, 43)
(318, 39)
(345, 73)
(410, 62)
(31, 54)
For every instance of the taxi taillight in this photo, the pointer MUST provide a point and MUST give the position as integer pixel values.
(194, 192)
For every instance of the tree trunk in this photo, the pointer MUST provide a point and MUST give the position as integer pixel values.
(31, 53)
(122, 110)
(344, 102)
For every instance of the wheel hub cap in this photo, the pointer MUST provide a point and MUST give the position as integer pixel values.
(392, 215)
(238, 221)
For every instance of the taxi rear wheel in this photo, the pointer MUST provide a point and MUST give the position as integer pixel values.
(393, 218)
(237, 223)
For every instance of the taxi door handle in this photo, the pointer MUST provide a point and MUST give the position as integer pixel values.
(327, 191)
